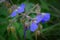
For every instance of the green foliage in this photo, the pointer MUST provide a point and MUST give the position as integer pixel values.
(51, 29)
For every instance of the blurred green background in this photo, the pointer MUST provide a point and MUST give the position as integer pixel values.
(51, 29)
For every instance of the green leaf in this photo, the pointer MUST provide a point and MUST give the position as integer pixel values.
(20, 28)
(12, 36)
(28, 7)
(3, 20)
(2, 38)
(28, 35)
(44, 5)
(3, 11)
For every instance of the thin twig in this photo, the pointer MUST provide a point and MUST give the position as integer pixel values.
(56, 10)
(31, 10)
(49, 28)
(11, 2)
(36, 35)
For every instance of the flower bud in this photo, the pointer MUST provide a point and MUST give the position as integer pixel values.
(12, 29)
(38, 32)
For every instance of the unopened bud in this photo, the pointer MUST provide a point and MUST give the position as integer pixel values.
(14, 7)
(38, 32)
(8, 29)
(26, 24)
(12, 29)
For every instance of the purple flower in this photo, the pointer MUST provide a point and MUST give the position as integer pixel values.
(38, 18)
(34, 24)
(33, 27)
(46, 17)
(21, 8)
(43, 17)
(14, 13)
